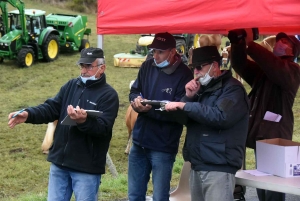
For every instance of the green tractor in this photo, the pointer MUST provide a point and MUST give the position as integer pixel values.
(2, 31)
(136, 57)
(29, 35)
(72, 29)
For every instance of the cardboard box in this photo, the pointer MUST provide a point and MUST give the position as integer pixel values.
(278, 157)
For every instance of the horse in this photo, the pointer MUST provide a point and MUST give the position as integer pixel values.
(210, 40)
(225, 53)
(130, 119)
(268, 43)
(48, 139)
(206, 40)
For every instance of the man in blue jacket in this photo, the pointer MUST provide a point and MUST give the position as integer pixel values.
(156, 135)
(217, 107)
(78, 153)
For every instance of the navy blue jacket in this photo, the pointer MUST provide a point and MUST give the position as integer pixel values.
(82, 147)
(155, 129)
(217, 126)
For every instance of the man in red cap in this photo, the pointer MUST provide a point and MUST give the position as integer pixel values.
(274, 78)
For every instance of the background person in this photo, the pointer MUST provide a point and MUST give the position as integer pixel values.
(156, 136)
(78, 153)
(274, 79)
(218, 110)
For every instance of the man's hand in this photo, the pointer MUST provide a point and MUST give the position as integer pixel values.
(172, 106)
(20, 118)
(77, 114)
(192, 87)
(137, 105)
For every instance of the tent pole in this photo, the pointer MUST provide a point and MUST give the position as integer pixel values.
(100, 41)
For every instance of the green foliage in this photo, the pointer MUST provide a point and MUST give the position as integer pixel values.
(82, 5)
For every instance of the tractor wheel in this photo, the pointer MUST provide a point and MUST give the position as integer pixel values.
(84, 44)
(26, 57)
(181, 45)
(50, 48)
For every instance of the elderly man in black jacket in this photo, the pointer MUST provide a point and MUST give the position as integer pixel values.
(78, 153)
(217, 108)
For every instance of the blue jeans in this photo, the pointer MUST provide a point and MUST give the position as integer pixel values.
(63, 182)
(211, 185)
(141, 162)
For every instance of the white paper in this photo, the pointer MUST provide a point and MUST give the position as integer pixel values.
(270, 116)
(68, 121)
(257, 173)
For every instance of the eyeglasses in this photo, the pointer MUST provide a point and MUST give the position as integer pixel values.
(200, 67)
(88, 66)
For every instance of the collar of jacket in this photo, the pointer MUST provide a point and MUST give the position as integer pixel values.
(89, 83)
(170, 69)
(217, 83)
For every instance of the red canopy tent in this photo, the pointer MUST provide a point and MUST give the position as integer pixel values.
(197, 16)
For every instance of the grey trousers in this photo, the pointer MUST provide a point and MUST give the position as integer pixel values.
(209, 186)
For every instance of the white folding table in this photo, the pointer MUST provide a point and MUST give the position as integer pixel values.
(290, 185)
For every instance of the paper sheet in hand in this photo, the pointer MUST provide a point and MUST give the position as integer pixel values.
(68, 121)
(270, 116)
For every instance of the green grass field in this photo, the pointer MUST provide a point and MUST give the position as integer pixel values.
(23, 167)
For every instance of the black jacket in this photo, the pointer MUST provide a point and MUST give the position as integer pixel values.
(217, 126)
(275, 82)
(82, 147)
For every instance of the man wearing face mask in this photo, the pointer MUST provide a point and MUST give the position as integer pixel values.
(156, 135)
(78, 153)
(274, 78)
(217, 108)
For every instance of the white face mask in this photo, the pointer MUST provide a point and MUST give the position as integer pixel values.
(280, 49)
(206, 78)
(84, 79)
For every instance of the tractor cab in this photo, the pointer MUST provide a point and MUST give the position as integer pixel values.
(35, 21)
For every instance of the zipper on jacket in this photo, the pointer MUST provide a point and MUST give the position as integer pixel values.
(66, 146)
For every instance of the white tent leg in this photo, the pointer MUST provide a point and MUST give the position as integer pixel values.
(100, 41)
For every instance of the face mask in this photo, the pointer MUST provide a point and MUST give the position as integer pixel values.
(280, 49)
(84, 79)
(163, 64)
(207, 78)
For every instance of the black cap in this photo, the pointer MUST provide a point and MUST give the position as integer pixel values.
(89, 55)
(294, 41)
(205, 54)
(163, 41)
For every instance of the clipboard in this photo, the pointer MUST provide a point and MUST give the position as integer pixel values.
(154, 102)
(70, 122)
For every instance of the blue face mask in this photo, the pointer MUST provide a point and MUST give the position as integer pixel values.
(84, 79)
(163, 64)
(280, 49)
